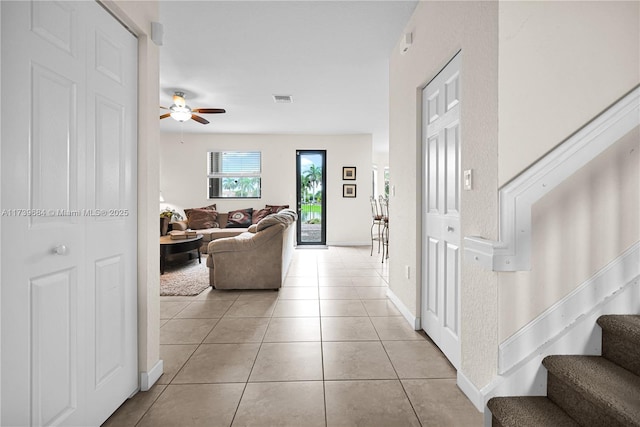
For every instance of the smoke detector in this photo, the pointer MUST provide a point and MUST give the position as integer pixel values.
(282, 99)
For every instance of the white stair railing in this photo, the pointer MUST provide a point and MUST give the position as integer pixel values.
(513, 251)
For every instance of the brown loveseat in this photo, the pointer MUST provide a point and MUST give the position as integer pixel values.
(256, 259)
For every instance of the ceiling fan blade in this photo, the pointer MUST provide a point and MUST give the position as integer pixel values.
(164, 116)
(164, 108)
(209, 110)
(199, 119)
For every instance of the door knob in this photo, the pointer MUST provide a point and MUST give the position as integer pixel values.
(450, 229)
(60, 250)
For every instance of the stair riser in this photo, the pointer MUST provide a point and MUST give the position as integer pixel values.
(621, 351)
(581, 409)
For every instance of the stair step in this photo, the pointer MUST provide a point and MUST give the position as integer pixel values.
(528, 412)
(621, 340)
(593, 390)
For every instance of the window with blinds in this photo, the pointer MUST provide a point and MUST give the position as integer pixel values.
(234, 174)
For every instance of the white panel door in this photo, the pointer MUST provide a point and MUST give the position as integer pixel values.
(441, 210)
(69, 114)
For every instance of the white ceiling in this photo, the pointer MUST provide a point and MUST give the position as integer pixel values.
(331, 56)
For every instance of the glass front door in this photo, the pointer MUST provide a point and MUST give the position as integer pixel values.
(311, 205)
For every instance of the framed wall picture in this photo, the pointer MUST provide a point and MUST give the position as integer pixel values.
(348, 190)
(349, 173)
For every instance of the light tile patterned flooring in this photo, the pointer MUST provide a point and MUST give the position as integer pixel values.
(328, 349)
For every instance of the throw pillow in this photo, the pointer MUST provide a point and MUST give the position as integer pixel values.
(276, 208)
(240, 218)
(259, 214)
(201, 218)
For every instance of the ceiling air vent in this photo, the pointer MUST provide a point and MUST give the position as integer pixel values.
(282, 99)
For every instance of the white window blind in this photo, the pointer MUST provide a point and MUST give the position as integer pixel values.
(235, 163)
(234, 174)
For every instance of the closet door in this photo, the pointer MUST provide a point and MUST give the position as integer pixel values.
(69, 114)
(441, 210)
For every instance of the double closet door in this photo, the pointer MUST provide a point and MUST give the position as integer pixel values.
(68, 198)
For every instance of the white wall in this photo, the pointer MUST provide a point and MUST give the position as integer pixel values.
(561, 63)
(439, 30)
(578, 228)
(183, 172)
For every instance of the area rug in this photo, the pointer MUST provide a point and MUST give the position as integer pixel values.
(186, 278)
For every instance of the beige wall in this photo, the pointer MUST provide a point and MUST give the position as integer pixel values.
(184, 170)
(561, 64)
(578, 228)
(439, 30)
(138, 15)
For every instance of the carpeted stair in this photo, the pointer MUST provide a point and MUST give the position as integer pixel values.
(584, 390)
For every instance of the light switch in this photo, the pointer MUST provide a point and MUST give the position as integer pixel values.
(468, 179)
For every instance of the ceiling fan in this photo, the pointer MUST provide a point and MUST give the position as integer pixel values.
(181, 112)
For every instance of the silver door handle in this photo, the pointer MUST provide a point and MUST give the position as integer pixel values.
(60, 250)
(450, 229)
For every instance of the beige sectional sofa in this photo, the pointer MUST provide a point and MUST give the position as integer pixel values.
(255, 259)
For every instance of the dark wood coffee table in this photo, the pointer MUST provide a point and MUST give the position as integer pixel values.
(170, 246)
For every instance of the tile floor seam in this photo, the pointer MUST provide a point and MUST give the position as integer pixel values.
(183, 365)
(151, 405)
(410, 402)
(324, 389)
(235, 413)
(246, 383)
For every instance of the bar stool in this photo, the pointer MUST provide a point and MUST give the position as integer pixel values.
(376, 222)
(384, 209)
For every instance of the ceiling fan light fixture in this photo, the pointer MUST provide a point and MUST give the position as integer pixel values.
(178, 99)
(181, 114)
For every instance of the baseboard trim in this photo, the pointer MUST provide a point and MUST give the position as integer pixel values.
(148, 379)
(414, 321)
(471, 391)
(587, 297)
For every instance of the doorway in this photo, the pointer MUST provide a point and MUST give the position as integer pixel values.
(310, 197)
